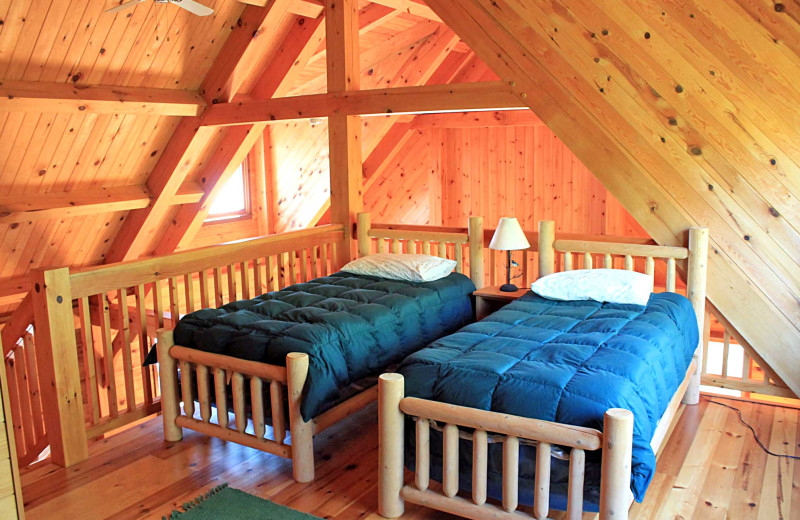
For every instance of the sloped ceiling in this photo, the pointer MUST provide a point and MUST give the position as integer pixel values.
(687, 112)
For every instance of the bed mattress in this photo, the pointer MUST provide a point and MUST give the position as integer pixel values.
(566, 362)
(351, 327)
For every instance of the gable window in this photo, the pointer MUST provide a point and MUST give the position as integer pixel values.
(233, 199)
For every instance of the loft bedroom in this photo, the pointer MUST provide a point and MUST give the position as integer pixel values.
(160, 158)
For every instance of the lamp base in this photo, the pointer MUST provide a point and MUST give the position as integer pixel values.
(509, 287)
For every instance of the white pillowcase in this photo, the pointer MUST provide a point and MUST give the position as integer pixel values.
(411, 268)
(601, 285)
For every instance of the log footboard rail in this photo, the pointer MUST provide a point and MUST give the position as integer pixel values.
(616, 443)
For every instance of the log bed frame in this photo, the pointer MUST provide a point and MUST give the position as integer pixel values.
(615, 440)
(225, 370)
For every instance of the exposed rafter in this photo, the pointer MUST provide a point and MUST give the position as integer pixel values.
(189, 140)
(86, 202)
(27, 96)
(287, 62)
(411, 7)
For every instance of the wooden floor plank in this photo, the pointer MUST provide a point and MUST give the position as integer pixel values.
(710, 468)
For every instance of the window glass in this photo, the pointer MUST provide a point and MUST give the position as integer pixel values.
(232, 199)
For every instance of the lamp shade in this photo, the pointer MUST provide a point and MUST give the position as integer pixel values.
(509, 236)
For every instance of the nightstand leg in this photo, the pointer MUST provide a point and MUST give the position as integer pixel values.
(481, 308)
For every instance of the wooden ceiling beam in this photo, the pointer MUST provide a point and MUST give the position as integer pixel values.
(30, 96)
(490, 95)
(189, 140)
(504, 118)
(237, 142)
(411, 7)
(66, 204)
(306, 8)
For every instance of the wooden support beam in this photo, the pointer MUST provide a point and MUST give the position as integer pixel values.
(307, 8)
(18, 323)
(411, 7)
(237, 142)
(27, 96)
(57, 362)
(187, 143)
(490, 95)
(59, 205)
(344, 130)
(499, 118)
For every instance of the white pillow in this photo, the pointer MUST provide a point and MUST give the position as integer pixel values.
(600, 285)
(411, 268)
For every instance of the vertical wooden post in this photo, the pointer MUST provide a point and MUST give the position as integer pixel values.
(362, 230)
(476, 268)
(57, 360)
(547, 255)
(615, 470)
(302, 433)
(391, 389)
(696, 292)
(344, 132)
(168, 379)
(7, 431)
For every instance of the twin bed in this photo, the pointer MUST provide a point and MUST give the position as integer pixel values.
(542, 403)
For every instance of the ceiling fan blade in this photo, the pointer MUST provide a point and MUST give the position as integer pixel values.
(193, 7)
(122, 7)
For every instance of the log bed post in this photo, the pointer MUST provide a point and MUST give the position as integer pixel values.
(547, 254)
(168, 379)
(696, 292)
(302, 431)
(476, 269)
(615, 470)
(390, 445)
(362, 231)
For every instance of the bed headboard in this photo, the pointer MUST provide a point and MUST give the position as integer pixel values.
(444, 244)
(695, 253)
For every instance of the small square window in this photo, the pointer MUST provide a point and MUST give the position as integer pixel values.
(232, 200)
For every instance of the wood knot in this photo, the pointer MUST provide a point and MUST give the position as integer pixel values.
(779, 7)
(696, 150)
(679, 89)
(774, 212)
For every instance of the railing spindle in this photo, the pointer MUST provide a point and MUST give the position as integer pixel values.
(174, 302)
(203, 393)
(628, 263)
(567, 261)
(541, 501)
(381, 245)
(125, 333)
(608, 262)
(293, 268)
(426, 247)
(450, 470)
(108, 353)
(284, 271)
(649, 266)
(480, 460)
(257, 406)
(423, 465)
(412, 247)
(187, 375)
(587, 261)
(396, 246)
(188, 290)
(459, 258)
(221, 394)
(90, 360)
(304, 265)
(314, 262)
(511, 473)
(204, 299)
(23, 398)
(326, 270)
(244, 267)
(577, 460)
(144, 341)
(218, 290)
(278, 413)
(232, 289)
(33, 385)
(258, 276)
(239, 413)
(442, 249)
(726, 348)
(671, 274)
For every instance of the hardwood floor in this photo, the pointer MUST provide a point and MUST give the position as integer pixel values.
(710, 468)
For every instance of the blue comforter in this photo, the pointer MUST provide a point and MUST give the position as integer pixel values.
(566, 362)
(351, 326)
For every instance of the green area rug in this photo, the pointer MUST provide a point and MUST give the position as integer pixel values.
(228, 503)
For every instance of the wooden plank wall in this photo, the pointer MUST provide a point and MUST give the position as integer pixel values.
(687, 112)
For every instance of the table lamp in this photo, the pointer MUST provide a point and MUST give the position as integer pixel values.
(509, 237)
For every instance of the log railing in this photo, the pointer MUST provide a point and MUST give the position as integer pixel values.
(95, 326)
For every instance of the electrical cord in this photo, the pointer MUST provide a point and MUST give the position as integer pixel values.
(752, 430)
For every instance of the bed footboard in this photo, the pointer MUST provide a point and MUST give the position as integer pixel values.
(204, 367)
(616, 442)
